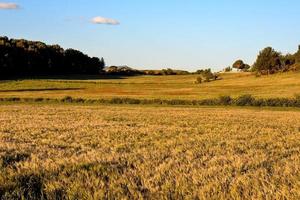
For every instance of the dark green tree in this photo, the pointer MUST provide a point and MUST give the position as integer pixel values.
(239, 64)
(29, 58)
(268, 61)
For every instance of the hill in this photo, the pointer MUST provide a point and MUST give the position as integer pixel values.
(155, 87)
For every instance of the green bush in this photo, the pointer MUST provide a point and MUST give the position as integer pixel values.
(39, 99)
(67, 99)
(245, 100)
(13, 99)
(79, 100)
(208, 102)
(225, 100)
(259, 102)
(297, 100)
(279, 102)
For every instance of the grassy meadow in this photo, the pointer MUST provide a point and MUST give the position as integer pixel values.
(155, 87)
(138, 152)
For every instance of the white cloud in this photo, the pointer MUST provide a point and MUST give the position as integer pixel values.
(8, 6)
(103, 20)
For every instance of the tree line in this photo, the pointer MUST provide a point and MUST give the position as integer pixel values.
(270, 61)
(22, 58)
(19, 57)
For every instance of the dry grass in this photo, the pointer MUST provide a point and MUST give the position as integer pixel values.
(114, 152)
(159, 87)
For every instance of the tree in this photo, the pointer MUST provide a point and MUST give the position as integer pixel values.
(297, 56)
(103, 64)
(239, 64)
(206, 75)
(268, 61)
(228, 69)
(168, 71)
(246, 68)
(199, 80)
(30, 58)
(287, 61)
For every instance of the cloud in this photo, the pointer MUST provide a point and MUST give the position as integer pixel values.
(8, 6)
(103, 20)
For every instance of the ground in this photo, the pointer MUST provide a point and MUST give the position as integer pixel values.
(135, 152)
(155, 87)
(58, 150)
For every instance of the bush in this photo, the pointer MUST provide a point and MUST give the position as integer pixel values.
(225, 100)
(13, 99)
(178, 102)
(79, 100)
(297, 100)
(67, 99)
(208, 102)
(132, 101)
(245, 100)
(39, 99)
(279, 102)
(259, 102)
(199, 80)
(116, 101)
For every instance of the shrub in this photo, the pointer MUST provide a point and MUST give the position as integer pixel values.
(199, 80)
(225, 100)
(13, 99)
(179, 102)
(297, 100)
(132, 101)
(79, 100)
(244, 100)
(208, 102)
(67, 99)
(279, 102)
(39, 99)
(90, 101)
(259, 102)
(116, 101)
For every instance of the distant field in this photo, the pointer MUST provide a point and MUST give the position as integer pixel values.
(98, 152)
(160, 87)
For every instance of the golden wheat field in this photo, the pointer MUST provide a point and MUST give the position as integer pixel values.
(124, 152)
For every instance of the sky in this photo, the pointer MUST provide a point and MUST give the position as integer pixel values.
(155, 34)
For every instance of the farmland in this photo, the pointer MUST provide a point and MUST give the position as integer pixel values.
(154, 87)
(56, 150)
(144, 152)
(149, 100)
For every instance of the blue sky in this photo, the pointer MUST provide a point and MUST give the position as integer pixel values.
(153, 34)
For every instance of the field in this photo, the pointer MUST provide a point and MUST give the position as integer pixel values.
(52, 150)
(154, 87)
(144, 152)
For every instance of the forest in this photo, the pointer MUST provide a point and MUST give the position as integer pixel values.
(22, 58)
